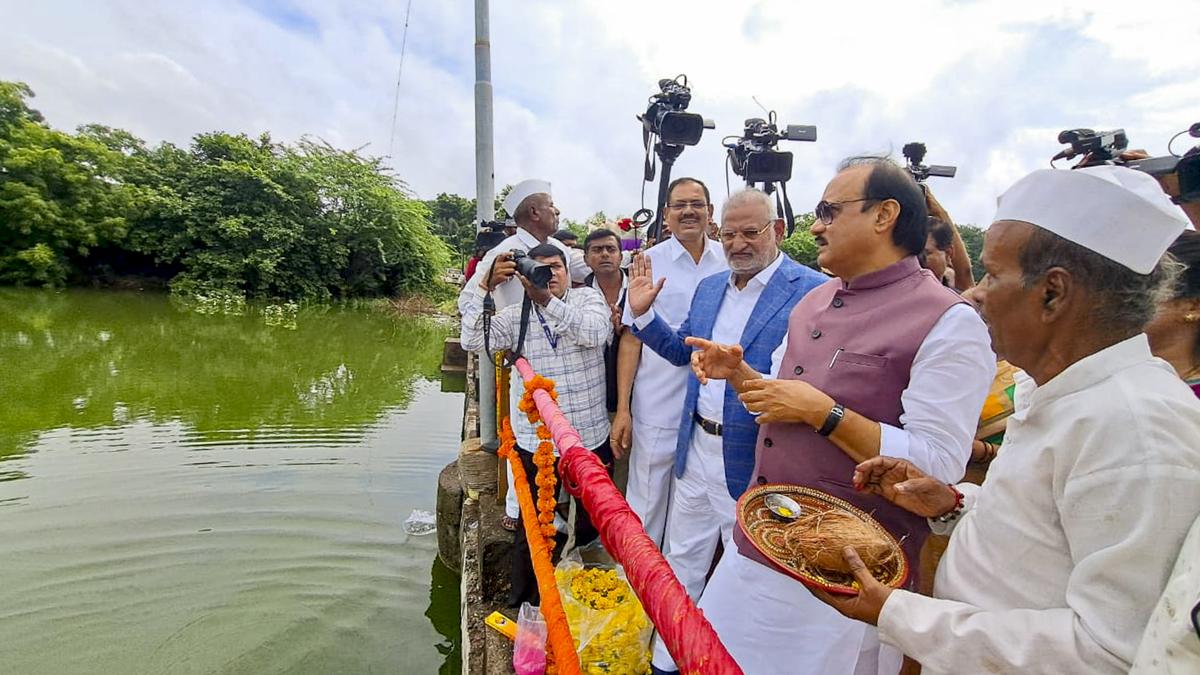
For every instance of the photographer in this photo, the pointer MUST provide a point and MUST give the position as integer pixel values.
(562, 332)
(532, 208)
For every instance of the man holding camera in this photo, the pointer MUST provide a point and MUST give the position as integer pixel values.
(648, 425)
(562, 332)
(532, 208)
(882, 360)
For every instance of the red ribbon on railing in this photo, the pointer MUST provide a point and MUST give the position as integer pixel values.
(688, 636)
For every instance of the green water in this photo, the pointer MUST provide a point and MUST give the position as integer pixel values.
(183, 494)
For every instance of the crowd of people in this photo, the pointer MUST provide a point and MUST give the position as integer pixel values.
(712, 362)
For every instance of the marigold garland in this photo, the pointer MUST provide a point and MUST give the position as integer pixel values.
(543, 458)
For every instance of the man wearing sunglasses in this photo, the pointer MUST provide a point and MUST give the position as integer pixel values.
(714, 444)
(882, 360)
(647, 418)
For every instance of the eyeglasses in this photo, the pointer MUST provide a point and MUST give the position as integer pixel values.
(827, 211)
(679, 206)
(727, 236)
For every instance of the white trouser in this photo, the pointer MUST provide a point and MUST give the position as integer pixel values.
(512, 508)
(701, 512)
(771, 623)
(651, 464)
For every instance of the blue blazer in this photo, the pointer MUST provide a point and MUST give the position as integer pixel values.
(764, 333)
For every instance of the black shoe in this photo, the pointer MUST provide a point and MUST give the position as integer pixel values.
(659, 671)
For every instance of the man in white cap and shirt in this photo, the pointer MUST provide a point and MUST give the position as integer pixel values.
(531, 207)
(1056, 561)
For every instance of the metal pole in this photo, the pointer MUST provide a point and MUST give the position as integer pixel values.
(485, 195)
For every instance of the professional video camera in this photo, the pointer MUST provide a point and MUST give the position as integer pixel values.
(666, 131)
(753, 155)
(538, 274)
(490, 234)
(915, 154)
(665, 117)
(1106, 147)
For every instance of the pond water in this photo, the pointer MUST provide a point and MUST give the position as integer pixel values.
(185, 493)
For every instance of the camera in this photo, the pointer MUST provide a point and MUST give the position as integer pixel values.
(915, 154)
(538, 274)
(753, 156)
(665, 116)
(490, 234)
(1105, 147)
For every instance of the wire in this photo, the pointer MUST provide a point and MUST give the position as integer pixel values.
(399, 74)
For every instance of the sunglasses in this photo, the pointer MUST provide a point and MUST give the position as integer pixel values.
(827, 211)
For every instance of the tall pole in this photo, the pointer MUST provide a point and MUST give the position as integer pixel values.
(485, 195)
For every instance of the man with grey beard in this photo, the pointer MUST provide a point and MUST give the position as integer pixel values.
(714, 451)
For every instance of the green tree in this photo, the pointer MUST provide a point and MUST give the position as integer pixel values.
(579, 229)
(453, 218)
(801, 246)
(972, 237)
(61, 195)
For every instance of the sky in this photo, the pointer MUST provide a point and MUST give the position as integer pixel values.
(985, 84)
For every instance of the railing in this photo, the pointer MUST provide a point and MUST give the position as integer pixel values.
(688, 636)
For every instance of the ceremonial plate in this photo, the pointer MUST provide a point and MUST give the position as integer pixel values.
(770, 536)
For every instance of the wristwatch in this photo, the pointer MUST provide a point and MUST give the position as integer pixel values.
(833, 419)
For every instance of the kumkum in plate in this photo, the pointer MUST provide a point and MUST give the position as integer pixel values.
(809, 547)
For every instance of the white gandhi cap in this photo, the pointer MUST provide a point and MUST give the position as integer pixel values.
(520, 191)
(1120, 213)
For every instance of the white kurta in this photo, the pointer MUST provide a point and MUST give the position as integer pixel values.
(1068, 544)
(659, 386)
(1171, 645)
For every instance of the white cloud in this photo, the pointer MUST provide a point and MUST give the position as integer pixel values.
(985, 84)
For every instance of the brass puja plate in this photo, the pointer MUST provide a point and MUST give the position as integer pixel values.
(772, 536)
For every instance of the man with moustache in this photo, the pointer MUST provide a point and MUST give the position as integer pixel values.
(532, 208)
(647, 426)
(714, 447)
(882, 360)
(1056, 561)
(602, 252)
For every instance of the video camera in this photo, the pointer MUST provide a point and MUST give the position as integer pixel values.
(915, 154)
(674, 129)
(538, 274)
(753, 155)
(1105, 147)
(665, 116)
(490, 234)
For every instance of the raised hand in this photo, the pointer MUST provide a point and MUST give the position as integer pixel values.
(712, 360)
(642, 290)
(904, 485)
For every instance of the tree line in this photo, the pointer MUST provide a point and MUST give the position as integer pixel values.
(232, 213)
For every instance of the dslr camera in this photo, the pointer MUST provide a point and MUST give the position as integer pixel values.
(537, 273)
(1105, 147)
(753, 156)
(915, 154)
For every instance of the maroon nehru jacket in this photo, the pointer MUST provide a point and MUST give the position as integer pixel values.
(856, 342)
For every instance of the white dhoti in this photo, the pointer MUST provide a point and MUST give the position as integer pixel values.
(651, 464)
(770, 623)
(701, 514)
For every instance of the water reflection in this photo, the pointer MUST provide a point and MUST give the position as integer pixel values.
(95, 359)
(206, 494)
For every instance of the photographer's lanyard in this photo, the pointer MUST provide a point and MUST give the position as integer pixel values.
(550, 337)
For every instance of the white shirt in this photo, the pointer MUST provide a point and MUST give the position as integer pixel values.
(950, 377)
(581, 323)
(732, 317)
(511, 292)
(1170, 645)
(1068, 544)
(659, 387)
